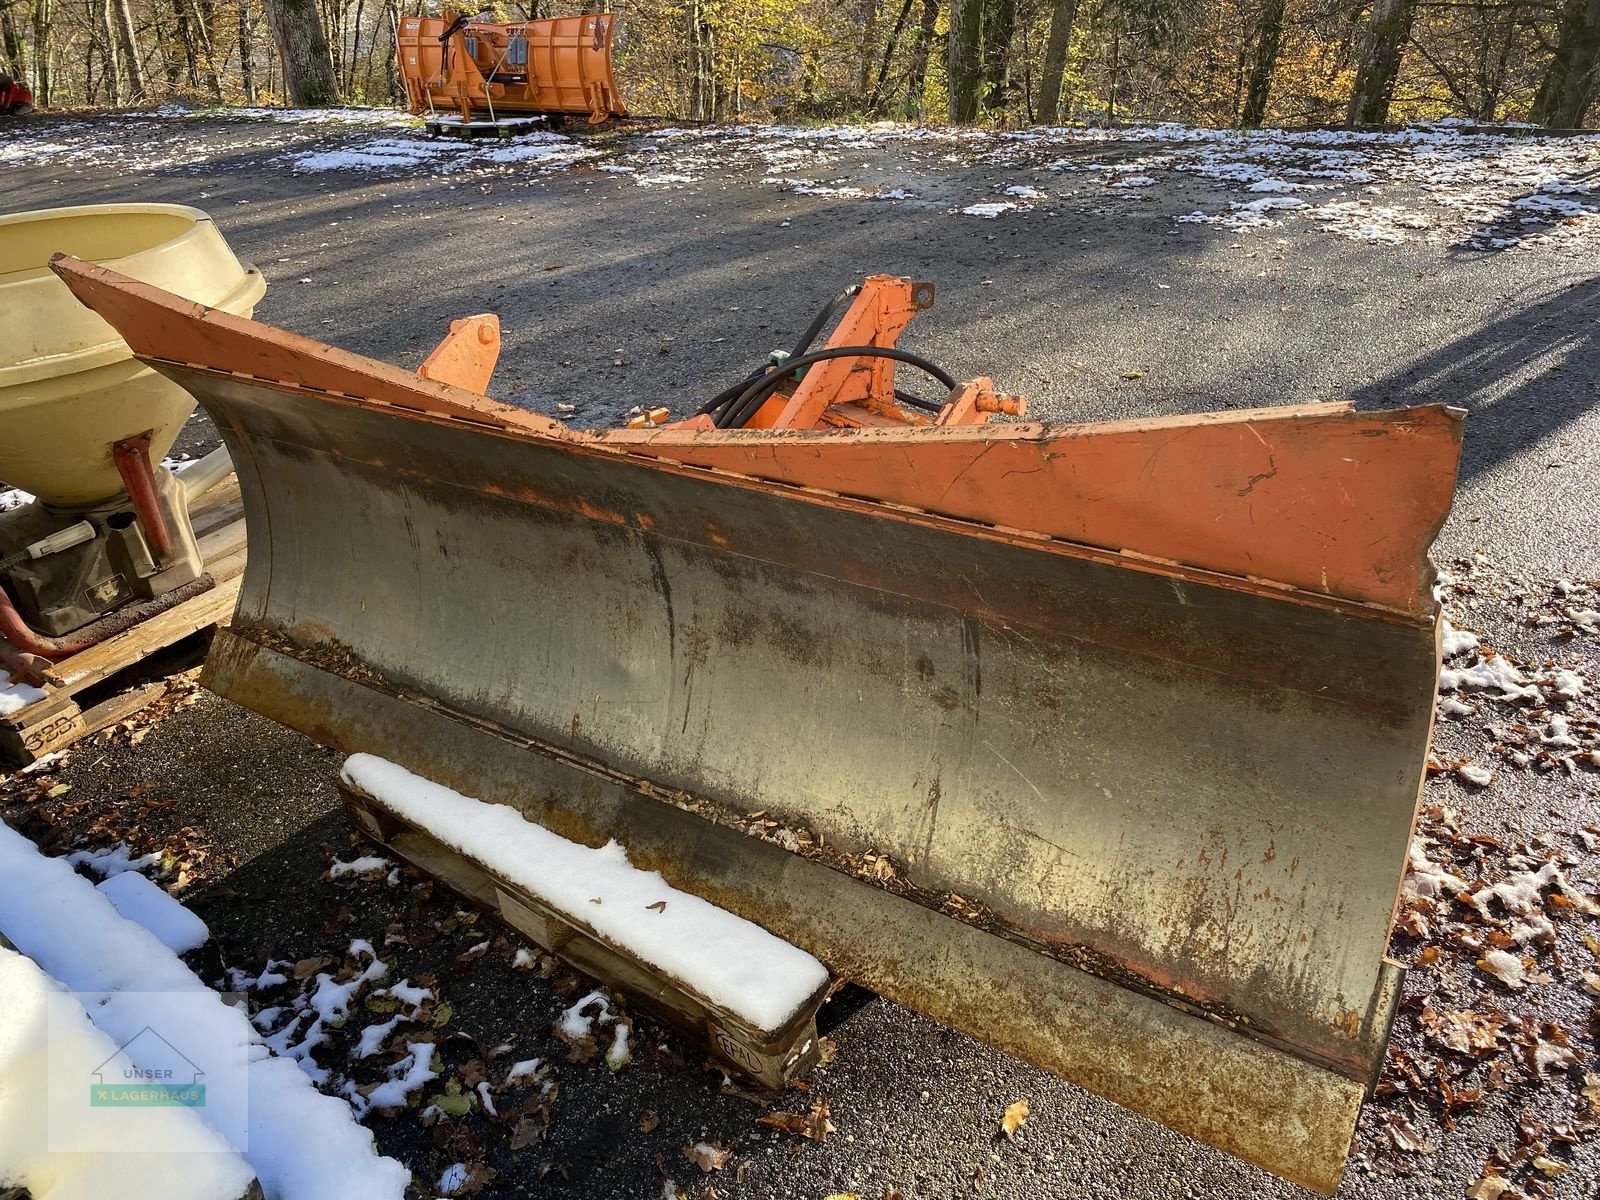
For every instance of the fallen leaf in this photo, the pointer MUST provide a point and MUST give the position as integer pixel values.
(709, 1156)
(1015, 1118)
(1465, 1032)
(527, 1133)
(827, 1051)
(1550, 1167)
(1548, 1050)
(308, 967)
(1404, 1136)
(458, 1105)
(650, 1122)
(1133, 374)
(658, 906)
(1491, 1185)
(814, 1124)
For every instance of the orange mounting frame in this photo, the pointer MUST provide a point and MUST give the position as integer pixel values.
(859, 392)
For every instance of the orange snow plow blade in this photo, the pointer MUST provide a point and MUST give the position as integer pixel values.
(480, 68)
(1101, 743)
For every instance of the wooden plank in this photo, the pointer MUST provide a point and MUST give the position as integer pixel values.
(132, 645)
(221, 542)
(225, 491)
(770, 1058)
(216, 518)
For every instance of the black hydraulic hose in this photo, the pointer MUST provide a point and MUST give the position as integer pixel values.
(822, 318)
(918, 402)
(810, 335)
(750, 401)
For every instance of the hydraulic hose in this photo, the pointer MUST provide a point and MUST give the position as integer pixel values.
(723, 398)
(750, 400)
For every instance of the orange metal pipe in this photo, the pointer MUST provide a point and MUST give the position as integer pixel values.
(132, 456)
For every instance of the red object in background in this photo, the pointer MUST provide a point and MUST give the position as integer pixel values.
(15, 99)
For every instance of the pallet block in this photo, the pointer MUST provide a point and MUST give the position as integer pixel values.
(98, 687)
(770, 1058)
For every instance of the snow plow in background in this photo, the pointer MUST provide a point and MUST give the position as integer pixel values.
(1101, 743)
(15, 98)
(481, 73)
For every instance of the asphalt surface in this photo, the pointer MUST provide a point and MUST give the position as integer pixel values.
(612, 294)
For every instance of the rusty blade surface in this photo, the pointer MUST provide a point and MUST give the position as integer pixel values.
(1172, 804)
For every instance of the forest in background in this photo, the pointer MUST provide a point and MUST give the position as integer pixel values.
(1001, 62)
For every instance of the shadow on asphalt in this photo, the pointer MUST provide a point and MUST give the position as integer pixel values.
(1500, 373)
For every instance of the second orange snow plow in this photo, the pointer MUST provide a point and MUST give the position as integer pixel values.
(478, 69)
(1101, 743)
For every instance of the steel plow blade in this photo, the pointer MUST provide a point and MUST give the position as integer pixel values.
(1108, 783)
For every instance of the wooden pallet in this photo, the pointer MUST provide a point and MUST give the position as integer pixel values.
(769, 1058)
(116, 678)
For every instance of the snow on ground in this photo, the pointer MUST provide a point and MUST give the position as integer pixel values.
(46, 1039)
(299, 1142)
(144, 903)
(1433, 183)
(757, 976)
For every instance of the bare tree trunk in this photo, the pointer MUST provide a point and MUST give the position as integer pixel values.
(999, 24)
(917, 77)
(42, 50)
(391, 10)
(963, 58)
(875, 100)
(247, 66)
(869, 47)
(15, 60)
(186, 38)
(129, 46)
(1269, 40)
(1572, 80)
(308, 80)
(1062, 18)
(107, 37)
(206, 50)
(1381, 53)
(702, 101)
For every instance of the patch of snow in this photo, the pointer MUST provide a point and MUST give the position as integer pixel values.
(411, 997)
(576, 1025)
(145, 903)
(115, 861)
(369, 864)
(1492, 674)
(1024, 191)
(14, 697)
(990, 209)
(1136, 181)
(46, 1038)
(730, 961)
(374, 1036)
(300, 1143)
(527, 1069)
(1428, 880)
(407, 1077)
(1455, 641)
(1568, 685)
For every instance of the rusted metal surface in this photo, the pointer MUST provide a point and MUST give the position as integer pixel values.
(1272, 1109)
(132, 456)
(1169, 776)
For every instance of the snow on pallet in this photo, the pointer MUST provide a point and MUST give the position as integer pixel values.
(299, 1142)
(750, 996)
(111, 681)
